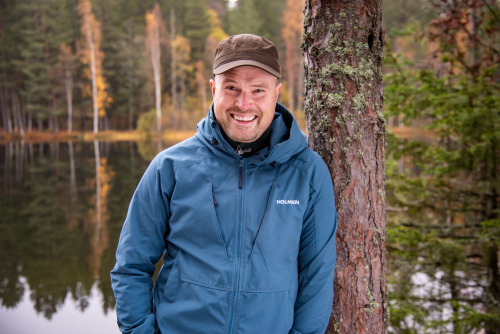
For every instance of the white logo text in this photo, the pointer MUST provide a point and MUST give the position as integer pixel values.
(282, 201)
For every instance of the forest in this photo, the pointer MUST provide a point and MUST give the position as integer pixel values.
(94, 66)
(81, 66)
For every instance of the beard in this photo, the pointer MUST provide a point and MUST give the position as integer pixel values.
(241, 134)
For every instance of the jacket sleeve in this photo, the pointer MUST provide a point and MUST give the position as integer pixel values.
(141, 245)
(316, 260)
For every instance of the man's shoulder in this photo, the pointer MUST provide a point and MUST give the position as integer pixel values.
(312, 163)
(182, 154)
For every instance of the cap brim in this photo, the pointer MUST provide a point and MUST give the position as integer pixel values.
(227, 66)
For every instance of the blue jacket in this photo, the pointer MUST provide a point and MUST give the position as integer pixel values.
(248, 243)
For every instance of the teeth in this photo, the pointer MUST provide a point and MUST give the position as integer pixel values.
(244, 118)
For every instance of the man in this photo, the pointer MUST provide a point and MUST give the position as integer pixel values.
(243, 213)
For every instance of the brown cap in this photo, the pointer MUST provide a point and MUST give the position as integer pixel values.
(246, 49)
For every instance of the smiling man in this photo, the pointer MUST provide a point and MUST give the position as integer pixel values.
(243, 214)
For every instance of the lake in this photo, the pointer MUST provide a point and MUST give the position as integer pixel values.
(62, 206)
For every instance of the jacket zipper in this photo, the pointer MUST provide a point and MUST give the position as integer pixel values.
(236, 281)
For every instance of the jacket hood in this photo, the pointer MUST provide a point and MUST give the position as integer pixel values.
(286, 137)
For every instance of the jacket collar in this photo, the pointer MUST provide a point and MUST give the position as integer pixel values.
(286, 137)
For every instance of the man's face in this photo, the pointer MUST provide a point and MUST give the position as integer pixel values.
(244, 102)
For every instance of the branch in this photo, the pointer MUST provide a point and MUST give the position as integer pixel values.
(491, 10)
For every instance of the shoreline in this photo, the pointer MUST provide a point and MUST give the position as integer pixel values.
(110, 136)
(167, 135)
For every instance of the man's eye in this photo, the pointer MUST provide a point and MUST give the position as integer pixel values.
(259, 90)
(231, 87)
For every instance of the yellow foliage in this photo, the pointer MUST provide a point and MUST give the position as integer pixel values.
(216, 30)
(217, 34)
(182, 51)
(91, 31)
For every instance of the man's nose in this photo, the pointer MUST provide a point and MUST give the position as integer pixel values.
(244, 101)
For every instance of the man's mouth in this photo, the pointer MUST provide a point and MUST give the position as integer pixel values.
(247, 118)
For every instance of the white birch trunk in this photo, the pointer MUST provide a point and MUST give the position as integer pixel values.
(69, 99)
(5, 104)
(155, 57)
(9, 120)
(15, 120)
(92, 71)
(17, 111)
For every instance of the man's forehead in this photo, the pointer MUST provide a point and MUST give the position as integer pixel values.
(246, 73)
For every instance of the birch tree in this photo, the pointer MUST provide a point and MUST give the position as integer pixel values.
(153, 23)
(173, 62)
(92, 56)
(343, 50)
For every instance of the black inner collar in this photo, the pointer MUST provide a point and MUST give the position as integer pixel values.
(249, 149)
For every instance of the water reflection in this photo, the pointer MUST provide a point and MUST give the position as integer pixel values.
(62, 209)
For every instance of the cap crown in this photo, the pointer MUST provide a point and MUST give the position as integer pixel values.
(246, 49)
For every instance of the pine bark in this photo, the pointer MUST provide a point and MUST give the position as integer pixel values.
(343, 51)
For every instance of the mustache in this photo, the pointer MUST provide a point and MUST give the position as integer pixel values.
(241, 111)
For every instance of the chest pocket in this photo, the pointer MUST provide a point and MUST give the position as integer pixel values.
(194, 227)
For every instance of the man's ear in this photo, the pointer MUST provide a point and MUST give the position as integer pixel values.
(278, 90)
(212, 87)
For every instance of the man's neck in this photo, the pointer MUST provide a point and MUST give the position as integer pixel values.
(249, 149)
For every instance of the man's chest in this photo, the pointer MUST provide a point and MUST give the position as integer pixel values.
(239, 206)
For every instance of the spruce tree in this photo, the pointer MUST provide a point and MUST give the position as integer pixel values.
(444, 220)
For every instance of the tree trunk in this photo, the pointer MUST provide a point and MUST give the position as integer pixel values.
(343, 52)
(56, 124)
(69, 99)
(90, 40)
(182, 115)
(30, 122)
(155, 58)
(3, 107)
(130, 103)
(16, 107)
(173, 67)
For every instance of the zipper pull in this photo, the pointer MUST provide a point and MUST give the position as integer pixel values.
(240, 181)
(240, 151)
